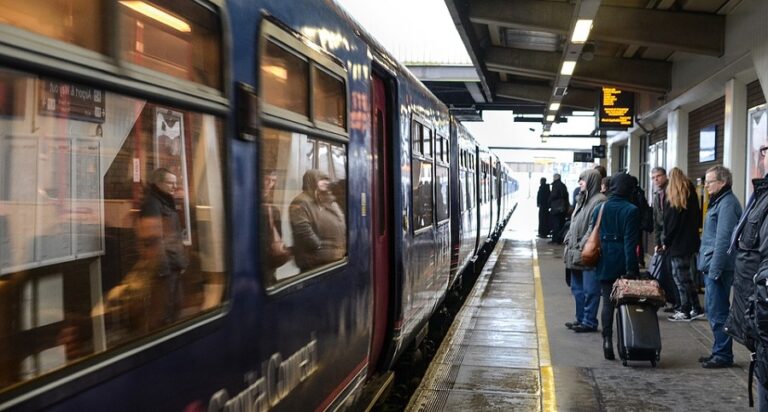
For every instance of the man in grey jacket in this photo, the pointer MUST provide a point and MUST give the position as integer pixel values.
(722, 216)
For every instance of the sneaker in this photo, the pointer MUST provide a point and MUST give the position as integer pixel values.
(680, 317)
(716, 364)
(570, 325)
(698, 315)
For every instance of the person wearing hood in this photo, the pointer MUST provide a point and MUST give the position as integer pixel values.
(584, 284)
(619, 229)
(161, 235)
(682, 217)
(558, 208)
(318, 224)
(723, 213)
(542, 202)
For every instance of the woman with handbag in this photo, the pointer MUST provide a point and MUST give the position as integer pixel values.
(617, 226)
(584, 285)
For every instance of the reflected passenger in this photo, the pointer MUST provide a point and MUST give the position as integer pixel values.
(318, 224)
(276, 254)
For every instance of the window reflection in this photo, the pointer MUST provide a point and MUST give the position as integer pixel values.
(303, 204)
(284, 79)
(86, 263)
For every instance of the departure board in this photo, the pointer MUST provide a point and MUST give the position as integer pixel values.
(617, 108)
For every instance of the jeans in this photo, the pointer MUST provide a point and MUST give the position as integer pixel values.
(762, 397)
(577, 290)
(718, 305)
(681, 272)
(591, 298)
(606, 316)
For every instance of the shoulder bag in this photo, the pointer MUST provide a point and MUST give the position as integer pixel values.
(590, 253)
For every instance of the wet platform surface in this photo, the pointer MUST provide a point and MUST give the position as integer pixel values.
(501, 354)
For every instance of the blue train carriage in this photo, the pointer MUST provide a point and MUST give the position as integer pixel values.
(111, 300)
(464, 204)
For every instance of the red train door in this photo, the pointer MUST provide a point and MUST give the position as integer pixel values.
(381, 205)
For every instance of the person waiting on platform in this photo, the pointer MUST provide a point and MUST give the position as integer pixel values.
(682, 216)
(318, 224)
(542, 202)
(723, 213)
(749, 244)
(619, 228)
(584, 284)
(558, 208)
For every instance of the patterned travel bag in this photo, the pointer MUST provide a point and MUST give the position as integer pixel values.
(637, 291)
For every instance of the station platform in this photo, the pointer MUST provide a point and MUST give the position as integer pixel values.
(508, 349)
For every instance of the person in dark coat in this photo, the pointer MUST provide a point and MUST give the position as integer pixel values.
(682, 217)
(723, 213)
(161, 233)
(619, 228)
(749, 244)
(318, 224)
(542, 202)
(558, 208)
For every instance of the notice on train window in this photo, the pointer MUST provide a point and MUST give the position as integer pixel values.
(71, 101)
(617, 108)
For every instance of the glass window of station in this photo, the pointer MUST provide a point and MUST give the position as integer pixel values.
(303, 146)
(111, 205)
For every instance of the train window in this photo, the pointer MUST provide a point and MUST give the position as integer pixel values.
(427, 145)
(438, 148)
(78, 22)
(303, 205)
(421, 179)
(416, 140)
(181, 39)
(442, 210)
(284, 79)
(329, 98)
(111, 222)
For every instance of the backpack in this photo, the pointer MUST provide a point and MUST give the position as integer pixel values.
(646, 212)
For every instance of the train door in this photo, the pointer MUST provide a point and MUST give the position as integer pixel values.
(381, 205)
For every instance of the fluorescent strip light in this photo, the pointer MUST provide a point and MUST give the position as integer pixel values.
(551, 118)
(156, 14)
(554, 106)
(581, 31)
(568, 67)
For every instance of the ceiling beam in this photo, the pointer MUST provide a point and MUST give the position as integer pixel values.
(464, 27)
(632, 74)
(575, 98)
(697, 33)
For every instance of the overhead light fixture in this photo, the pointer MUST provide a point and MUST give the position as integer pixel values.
(159, 15)
(551, 118)
(568, 67)
(581, 31)
(554, 106)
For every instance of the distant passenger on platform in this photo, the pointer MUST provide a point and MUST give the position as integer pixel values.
(542, 202)
(584, 284)
(575, 195)
(558, 208)
(723, 214)
(620, 225)
(318, 224)
(749, 244)
(682, 216)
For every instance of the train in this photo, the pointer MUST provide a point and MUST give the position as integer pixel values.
(319, 205)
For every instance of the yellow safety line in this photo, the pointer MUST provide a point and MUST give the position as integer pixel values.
(547, 376)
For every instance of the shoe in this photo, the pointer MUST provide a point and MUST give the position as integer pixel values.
(716, 364)
(583, 329)
(680, 317)
(698, 315)
(669, 309)
(608, 348)
(571, 325)
(703, 359)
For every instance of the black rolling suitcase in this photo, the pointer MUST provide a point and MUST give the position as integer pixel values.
(637, 327)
